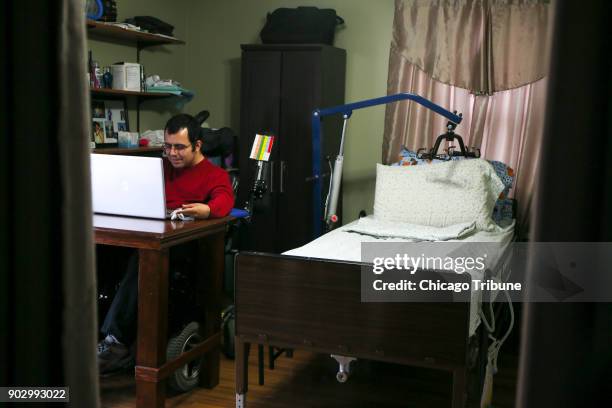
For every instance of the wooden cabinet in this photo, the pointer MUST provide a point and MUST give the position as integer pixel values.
(281, 86)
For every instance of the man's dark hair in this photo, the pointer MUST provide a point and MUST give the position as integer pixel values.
(182, 121)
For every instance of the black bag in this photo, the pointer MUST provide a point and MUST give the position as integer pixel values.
(302, 25)
(151, 24)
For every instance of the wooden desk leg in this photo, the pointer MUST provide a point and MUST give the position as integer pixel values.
(459, 384)
(210, 285)
(260, 362)
(242, 372)
(152, 324)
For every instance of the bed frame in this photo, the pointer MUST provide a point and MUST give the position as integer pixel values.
(313, 304)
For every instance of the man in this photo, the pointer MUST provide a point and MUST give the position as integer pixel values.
(201, 190)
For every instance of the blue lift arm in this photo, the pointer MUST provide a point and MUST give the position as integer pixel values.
(346, 111)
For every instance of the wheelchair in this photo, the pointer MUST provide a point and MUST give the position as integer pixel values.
(183, 324)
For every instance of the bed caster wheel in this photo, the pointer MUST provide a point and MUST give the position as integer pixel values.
(344, 367)
(240, 401)
(341, 376)
(186, 377)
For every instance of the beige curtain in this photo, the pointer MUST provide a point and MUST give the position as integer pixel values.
(485, 59)
(480, 45)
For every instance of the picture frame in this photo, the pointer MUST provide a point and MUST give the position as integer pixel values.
(98, 131)
(109, 116)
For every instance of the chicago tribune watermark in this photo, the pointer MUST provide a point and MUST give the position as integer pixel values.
(463, 271)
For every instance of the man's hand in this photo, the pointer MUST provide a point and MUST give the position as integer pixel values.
(196, 210)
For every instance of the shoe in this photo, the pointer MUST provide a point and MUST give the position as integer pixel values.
(112, 356)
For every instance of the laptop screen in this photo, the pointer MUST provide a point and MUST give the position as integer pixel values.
(128, 185)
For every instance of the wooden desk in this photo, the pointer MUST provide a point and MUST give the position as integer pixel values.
(153, 238)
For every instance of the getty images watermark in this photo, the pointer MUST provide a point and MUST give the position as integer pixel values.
(474, 266)
(468, 271)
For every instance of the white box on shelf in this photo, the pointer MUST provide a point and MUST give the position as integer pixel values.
(126, 76)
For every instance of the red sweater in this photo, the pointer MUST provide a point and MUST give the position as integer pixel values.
(202, 183)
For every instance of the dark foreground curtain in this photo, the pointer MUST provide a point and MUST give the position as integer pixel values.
(566, 356)
(47, 281)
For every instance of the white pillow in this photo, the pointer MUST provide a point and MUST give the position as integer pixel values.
(438, 194)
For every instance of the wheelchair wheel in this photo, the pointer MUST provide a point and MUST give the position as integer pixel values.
(187, 377)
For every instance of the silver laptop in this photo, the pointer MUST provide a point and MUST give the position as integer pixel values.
(128, 185)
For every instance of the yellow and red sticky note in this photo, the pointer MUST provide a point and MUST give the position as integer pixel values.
(262, 147)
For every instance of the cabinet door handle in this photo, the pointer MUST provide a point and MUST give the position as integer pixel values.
(282, 176)
(271, 176)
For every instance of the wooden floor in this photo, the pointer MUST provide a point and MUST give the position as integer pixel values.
(308, 380)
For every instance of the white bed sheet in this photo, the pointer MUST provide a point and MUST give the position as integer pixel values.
(339, 244)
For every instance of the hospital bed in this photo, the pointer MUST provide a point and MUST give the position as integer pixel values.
(310, 298)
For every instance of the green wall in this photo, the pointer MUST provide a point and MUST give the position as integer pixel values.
(215, 30)
(209, 64)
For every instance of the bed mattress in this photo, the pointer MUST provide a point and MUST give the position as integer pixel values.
(344, 245)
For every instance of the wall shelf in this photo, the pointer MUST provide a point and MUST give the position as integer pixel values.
(97, 29)
(106, 92)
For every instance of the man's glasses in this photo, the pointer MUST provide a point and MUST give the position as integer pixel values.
(179, 147)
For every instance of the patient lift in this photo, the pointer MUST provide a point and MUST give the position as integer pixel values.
(330, 218)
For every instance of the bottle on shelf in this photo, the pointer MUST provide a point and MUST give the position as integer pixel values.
(107, 78)
(97, 75)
